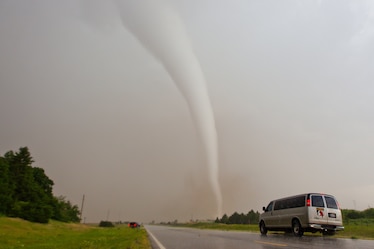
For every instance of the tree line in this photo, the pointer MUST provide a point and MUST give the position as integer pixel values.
(26, 191)
(251, 217)
(355, 214)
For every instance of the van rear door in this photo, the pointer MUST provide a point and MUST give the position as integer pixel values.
(333, 213)
(317, 211)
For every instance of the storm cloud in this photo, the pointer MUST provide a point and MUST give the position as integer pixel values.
(290, 84)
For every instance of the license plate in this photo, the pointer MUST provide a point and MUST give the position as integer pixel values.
(332, 215)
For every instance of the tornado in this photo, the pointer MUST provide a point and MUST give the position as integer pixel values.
(161, 32)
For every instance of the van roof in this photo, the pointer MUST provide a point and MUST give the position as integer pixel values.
(306, 194)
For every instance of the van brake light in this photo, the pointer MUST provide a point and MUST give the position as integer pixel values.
(308, 202)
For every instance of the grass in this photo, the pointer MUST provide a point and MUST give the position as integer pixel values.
(358, 229)
(353, 230)
(17, 233)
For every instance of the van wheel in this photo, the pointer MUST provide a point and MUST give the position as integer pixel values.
(297, 230)
(263, 228)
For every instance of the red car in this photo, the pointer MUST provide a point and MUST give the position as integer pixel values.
(134, 224)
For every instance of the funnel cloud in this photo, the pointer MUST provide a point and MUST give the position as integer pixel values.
(159, 29)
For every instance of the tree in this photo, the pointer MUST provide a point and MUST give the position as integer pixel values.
(236, 218)
(42, 180)
(253, 217)
(35, 212)
(6, 187)
(352, 214)
(20, 173)
(369, 213)
(26, 191)
(225, 219)
(64, 211)
(355, 214)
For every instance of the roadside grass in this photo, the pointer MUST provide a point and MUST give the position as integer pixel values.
(17, 233)
(358, 229)
(352, 230)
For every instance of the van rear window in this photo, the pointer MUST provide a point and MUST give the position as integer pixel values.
(317, 201)
(330, 202)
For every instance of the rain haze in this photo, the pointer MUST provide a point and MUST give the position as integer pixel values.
(289, 83)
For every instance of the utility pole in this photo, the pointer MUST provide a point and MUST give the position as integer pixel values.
(80, 216)
(107, 215)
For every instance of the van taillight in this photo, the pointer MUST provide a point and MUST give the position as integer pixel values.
(308, 202)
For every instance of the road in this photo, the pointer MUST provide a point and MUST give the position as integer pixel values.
(164, 237)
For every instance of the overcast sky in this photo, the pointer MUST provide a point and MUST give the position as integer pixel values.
(290, 83)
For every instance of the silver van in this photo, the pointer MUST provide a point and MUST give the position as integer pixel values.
(302, 213)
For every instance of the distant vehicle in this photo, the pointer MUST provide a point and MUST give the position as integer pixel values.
(133, 224)
(302, 213)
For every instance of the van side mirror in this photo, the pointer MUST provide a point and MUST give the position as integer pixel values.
(263, 208)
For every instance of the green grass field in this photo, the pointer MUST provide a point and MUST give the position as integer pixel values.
(358, 229)
(17, 233)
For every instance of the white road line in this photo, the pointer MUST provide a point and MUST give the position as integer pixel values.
(156, 240)
(270, 243)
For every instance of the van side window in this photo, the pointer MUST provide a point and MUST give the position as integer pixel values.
(269, 207)
(330, 202)
(294, 202)
(278, 205)
(297, 202)
(317, 201)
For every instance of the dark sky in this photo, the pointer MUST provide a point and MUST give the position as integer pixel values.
(290, 83)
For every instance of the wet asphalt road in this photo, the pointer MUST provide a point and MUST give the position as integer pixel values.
(164, 237)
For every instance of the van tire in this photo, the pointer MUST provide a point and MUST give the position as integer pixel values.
(263, 228)
(297, 230)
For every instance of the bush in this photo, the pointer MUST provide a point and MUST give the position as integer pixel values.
(35, 212)
(106, 224)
